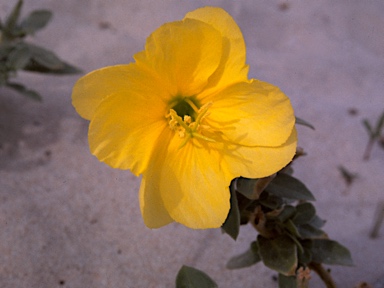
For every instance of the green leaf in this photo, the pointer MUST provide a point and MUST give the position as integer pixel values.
(328, 252)
(45, 58)
(291, 228)
(231, 225)
(379, 125)
(286, 213)
(305, 256)
(44, 61)
(189, 277)
(18, 58)
(287, 281)
(248, 258)
(300, 121)
(305, 212)
(11, 21)
(271, 201)
(308, 231)
(317, 222)
(369, 128)
(5, 49)
(289, 187)
(23, 90)
(36, 20)
(246, 187)
(279, 254)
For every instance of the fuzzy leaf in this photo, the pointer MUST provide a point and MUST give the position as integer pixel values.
(300, 121)
(45, 58)
(329, 252)
(18, 58)
(305, 212)
(23, 90)
(44, 61)
(246, 187)
(286, 213)
(291, 228)
(308, 231)
(287, 281)
(5, 50)
(305, 256)
(289, 187)
(271, 201)
(279, 254)
(248, 258)
(317, 222)
(379, 125)
(231, 225)
(369, 128)
(189, 277)
(36, 20)
(11, 21)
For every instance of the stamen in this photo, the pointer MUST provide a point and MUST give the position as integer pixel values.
(178, 119)
(188, 129)
(192, 105)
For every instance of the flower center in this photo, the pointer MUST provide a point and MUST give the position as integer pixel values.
(185, 118)
(185, 106)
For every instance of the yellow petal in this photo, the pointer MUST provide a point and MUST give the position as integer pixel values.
(152, 207)
(194, 187)
(253, 114)
(258, 162)
(232, 67)
(126, 126)
(184, 54)
(92, 88)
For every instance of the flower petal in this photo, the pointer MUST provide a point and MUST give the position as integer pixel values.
(258, 162)
(92, 88)
(253, 114)
(184, 53)
(126, 126)
(232, 67)
(152, 207)
(193, 186)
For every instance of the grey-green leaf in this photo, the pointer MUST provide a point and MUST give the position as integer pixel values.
(287, 281)
(6, 49)
(246, 187)
(305, 212)
(45, 58)
(279, 254)
(369, 128)
(246, 259)
(44, 61)
(36, 20)
(300, 121)
(18, 58)
(189, 277)
(379, 125)
(23, 90)
(308, 231)
(317, 222)
(286, 213)
(329, 252)
(289, 187)
(11, 21)
(231, 225)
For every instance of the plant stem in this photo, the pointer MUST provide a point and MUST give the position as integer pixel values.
(323, 273)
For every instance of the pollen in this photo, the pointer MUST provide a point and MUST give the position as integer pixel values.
(186, 128)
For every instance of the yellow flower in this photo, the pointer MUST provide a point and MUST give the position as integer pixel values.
(186, 117)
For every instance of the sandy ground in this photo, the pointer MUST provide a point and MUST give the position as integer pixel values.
(68, 220)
